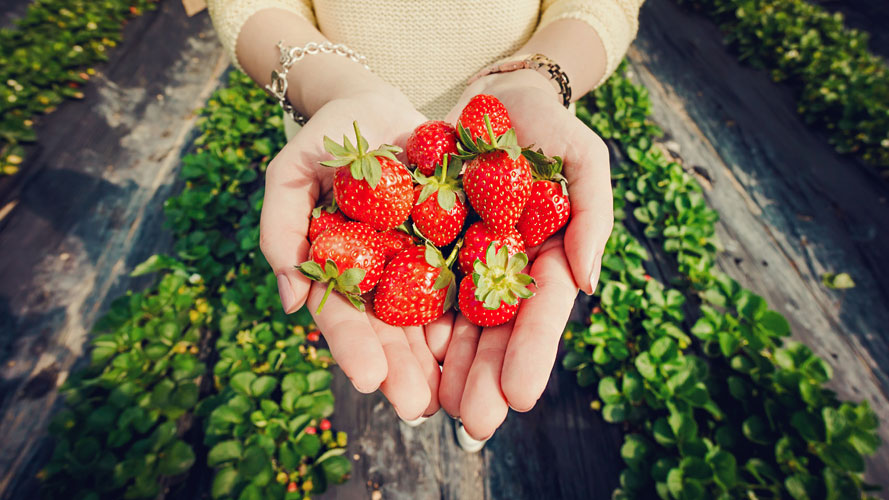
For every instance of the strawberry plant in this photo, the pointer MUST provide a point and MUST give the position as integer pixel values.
(718, 404)
(842, 87)
(45, 58)
(264, 416)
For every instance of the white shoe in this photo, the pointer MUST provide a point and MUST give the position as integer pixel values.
(467, 442)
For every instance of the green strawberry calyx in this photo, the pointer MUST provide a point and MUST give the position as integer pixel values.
(362, 163)
(444, 182)
(446, 277)
(345, 282)
(546, 168)
(499, 278)
(316, 212)
(469, 149)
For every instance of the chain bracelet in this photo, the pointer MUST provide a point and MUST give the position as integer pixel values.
(289, 56)
(537, 62)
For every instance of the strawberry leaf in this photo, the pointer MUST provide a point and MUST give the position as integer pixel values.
(447, 199)
(311, 270)
(427, 191)
(351, 277)
(356, 301)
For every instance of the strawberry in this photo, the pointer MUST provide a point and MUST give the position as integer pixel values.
(479, 237)
(349, 258)
(394, 241)
(370, 186)
(324, 218)
(472, 118)
(439, 210)
(417, 287)
(497, 179)
(548, 208)
(490, 297)
(428, 143)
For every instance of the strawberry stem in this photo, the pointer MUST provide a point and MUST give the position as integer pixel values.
(326, 294)
(358, 138)
(490, 130)
(453, 256)
(444, 168)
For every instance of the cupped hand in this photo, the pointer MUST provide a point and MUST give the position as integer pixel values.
(371, 353)
(488, 371)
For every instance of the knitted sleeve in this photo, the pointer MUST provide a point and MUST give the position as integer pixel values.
(229, 15)
(615, 21)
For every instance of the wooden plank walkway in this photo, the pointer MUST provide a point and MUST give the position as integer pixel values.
(89, 207)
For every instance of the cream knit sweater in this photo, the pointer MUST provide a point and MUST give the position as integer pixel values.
(429, 48)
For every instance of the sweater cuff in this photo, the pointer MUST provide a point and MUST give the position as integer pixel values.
(230, 15)
(615, 21)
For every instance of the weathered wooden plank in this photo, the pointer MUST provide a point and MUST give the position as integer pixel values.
(559, 450)
(91, 209)
(791, 208)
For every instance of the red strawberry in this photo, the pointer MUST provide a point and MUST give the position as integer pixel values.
(348, 257)
(394, 241)
(439, 210)
(548, 208)
(292, 487)
(428, 143)
(490, 297)
(370, 186)
(417, 287)
(324, 218)
(477, 240)
(498, 184)
(472, 118)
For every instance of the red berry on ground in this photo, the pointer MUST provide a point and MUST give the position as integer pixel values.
(324, 425)
(348, 257)
(490, 296)
(477, 239)
(417, 287)
(428, 143)
(311, 430)
(370, 186)
(292, 487)
(313, 336)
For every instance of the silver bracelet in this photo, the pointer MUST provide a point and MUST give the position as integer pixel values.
(289, 56)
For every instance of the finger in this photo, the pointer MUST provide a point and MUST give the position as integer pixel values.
(484, 407)
(589, 189)
(457, 362)
(405, 385)
(290, 193)
(352, 340)
(532, 347)
(428, 364)
(438, 335)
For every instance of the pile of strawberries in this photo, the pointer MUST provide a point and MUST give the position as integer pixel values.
(364, 246)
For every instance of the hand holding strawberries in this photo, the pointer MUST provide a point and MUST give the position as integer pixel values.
(371, 353)
(488, 371)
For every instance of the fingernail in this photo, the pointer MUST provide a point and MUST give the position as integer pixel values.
(288, 301)
(594, 275)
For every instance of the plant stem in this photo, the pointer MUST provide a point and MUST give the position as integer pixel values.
(326, 294)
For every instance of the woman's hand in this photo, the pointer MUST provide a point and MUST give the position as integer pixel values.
(485, 372)
(371, 353)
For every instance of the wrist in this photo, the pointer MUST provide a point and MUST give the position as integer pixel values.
(524, 79)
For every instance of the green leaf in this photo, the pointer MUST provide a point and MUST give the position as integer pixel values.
(263, 386)
(675, 482)
(724, 467)
(336, 469)
(796, 487)
(608, 391)
(224, 482)
(843, 456)
(634, 449)
(318, 380)
(774, 323)
(573, 361)
(695, 468)
(615, 412)
(176, 459)
(224, 451)
(295, 382)
(839, 281)
(755, 429)
(241, 382)
(253, 462)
